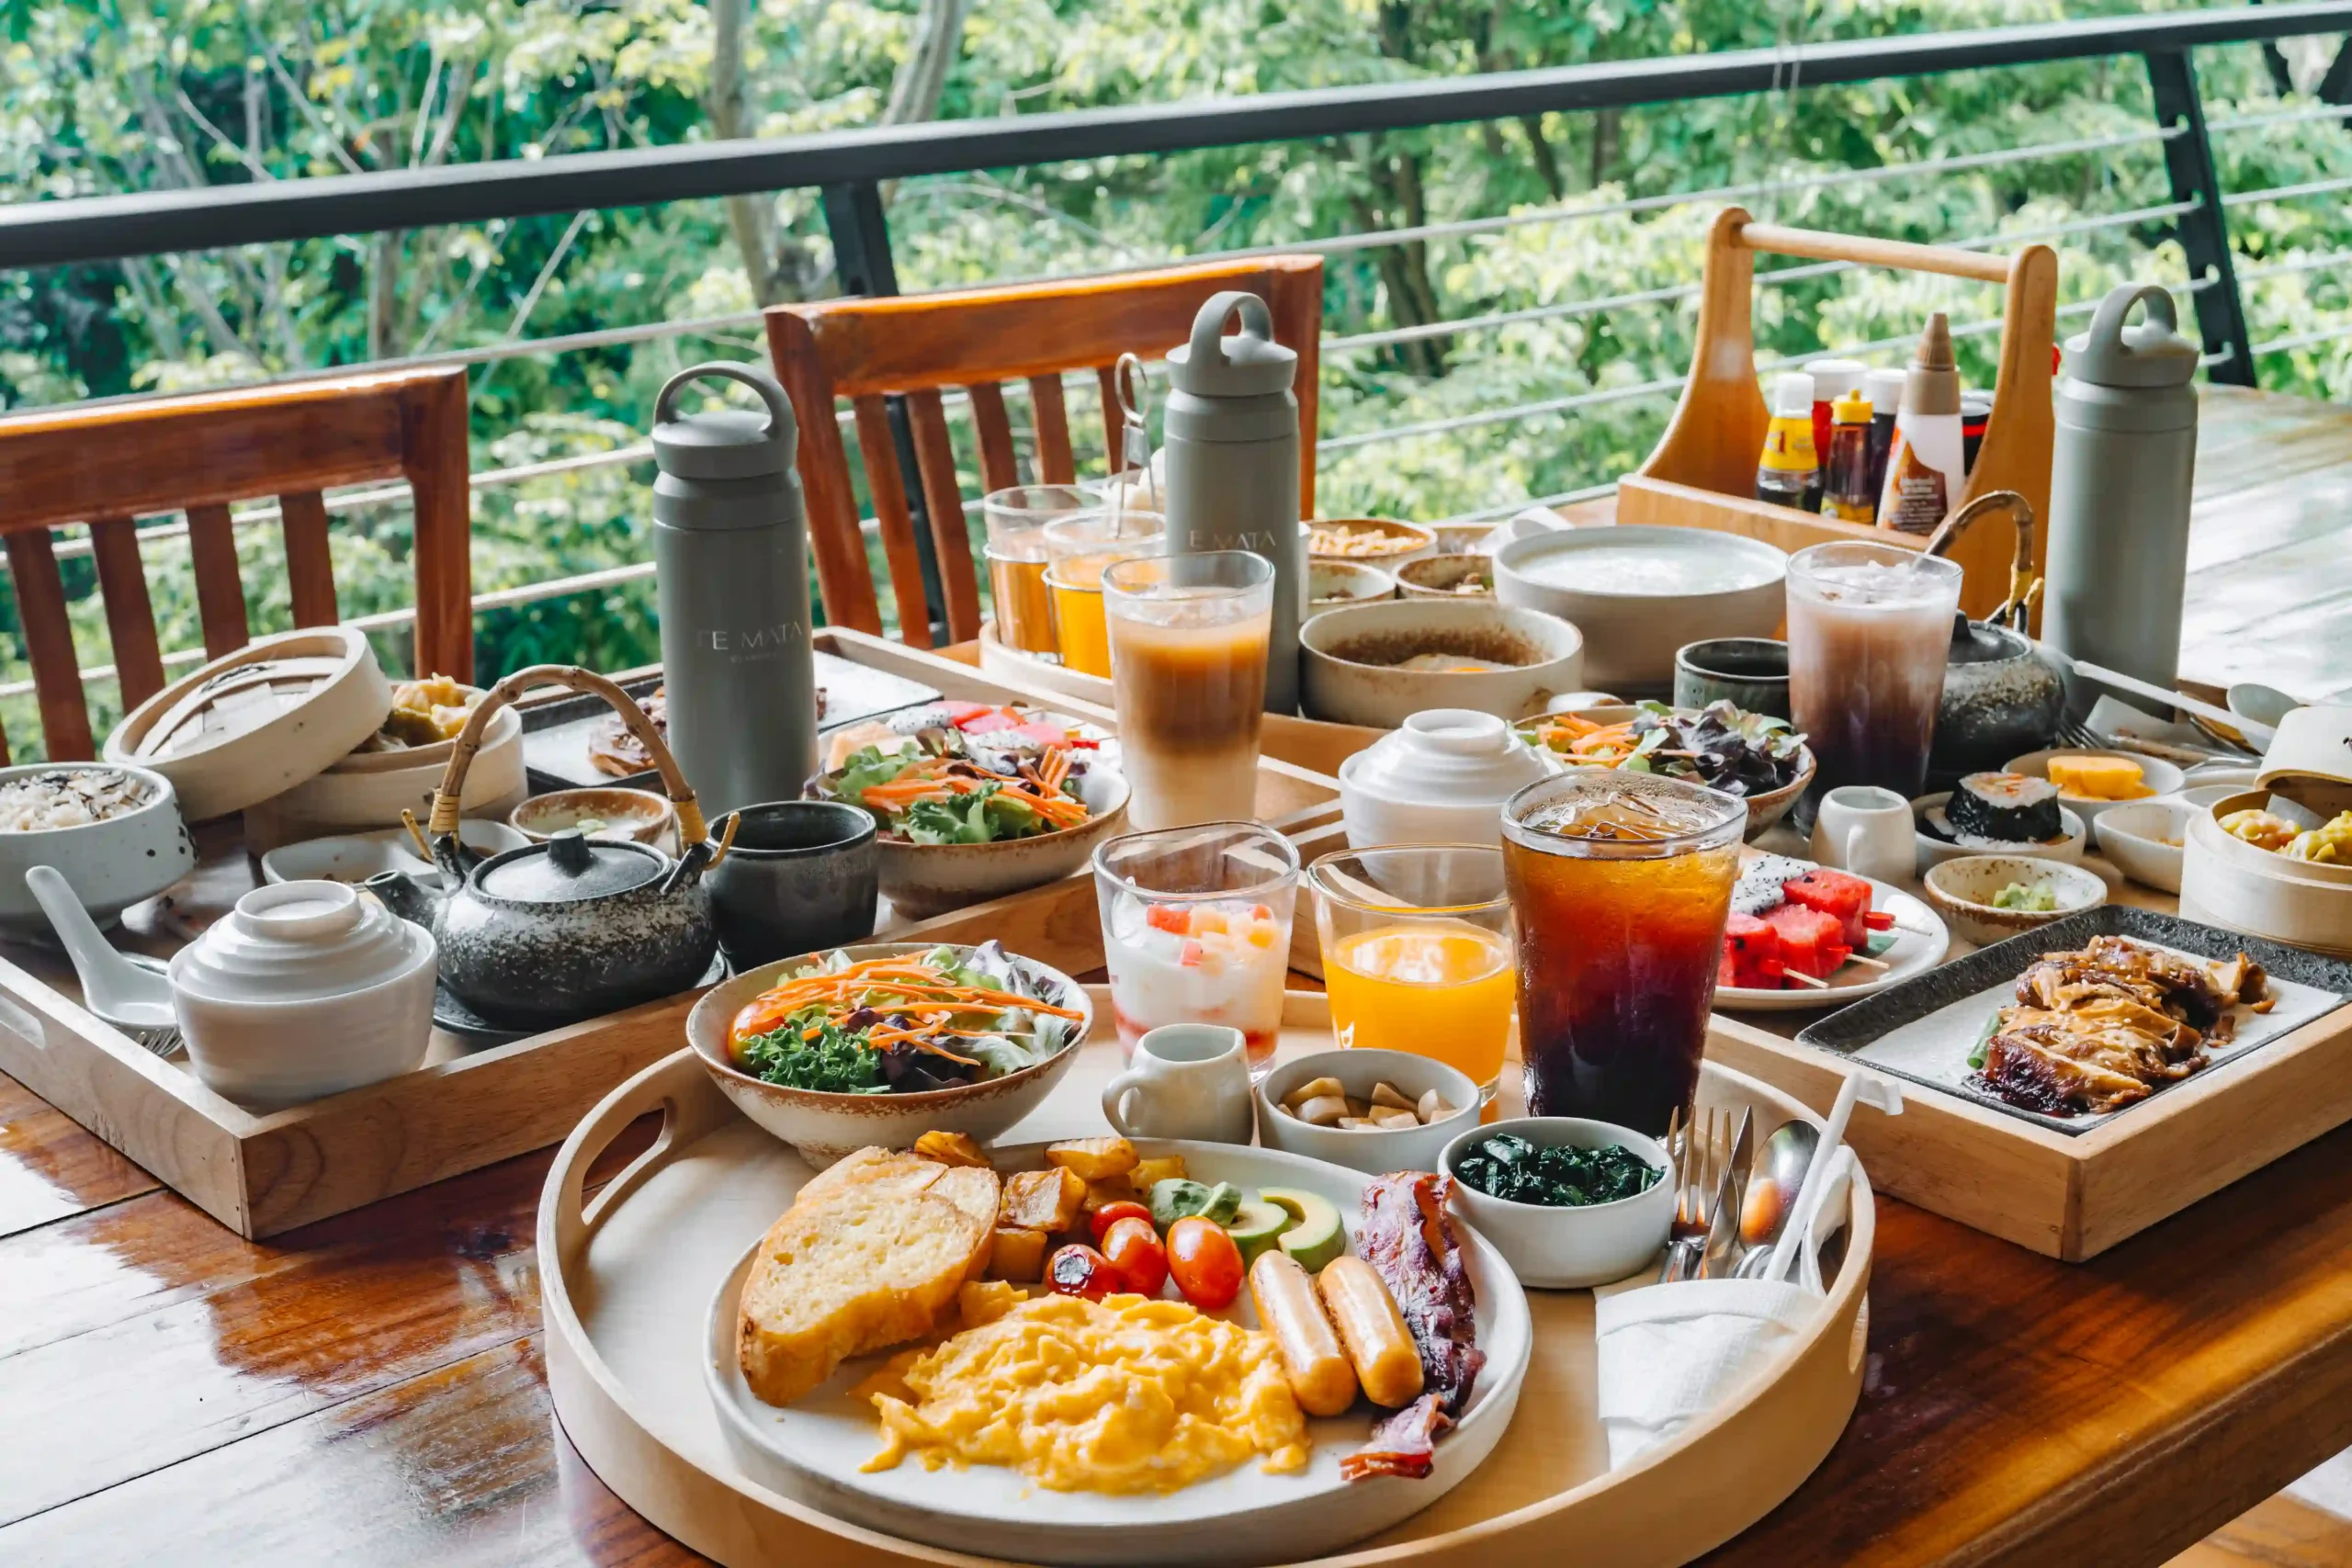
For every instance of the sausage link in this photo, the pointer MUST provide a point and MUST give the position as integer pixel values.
(1317, 1368)
(1374, 1331)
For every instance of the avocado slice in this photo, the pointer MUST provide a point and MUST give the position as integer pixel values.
(1315, 1236)
(1177, 1198)
(1257, 1227)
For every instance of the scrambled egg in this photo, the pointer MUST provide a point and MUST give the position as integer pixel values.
(1122, 1395)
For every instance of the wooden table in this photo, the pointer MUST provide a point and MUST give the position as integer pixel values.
(369, 1390)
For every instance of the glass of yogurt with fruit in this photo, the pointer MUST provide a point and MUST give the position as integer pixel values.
(1196, 930)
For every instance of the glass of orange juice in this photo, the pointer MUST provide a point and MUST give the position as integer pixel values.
(1417, 953)
(1015, 518)
(1078, 550)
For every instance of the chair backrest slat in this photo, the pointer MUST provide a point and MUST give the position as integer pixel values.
(105, 464)
(879, 447)
(999, 467)
(916, 346)
(943, 499)
(219, 589)
(1051, 418)
(309, 568)
(48, 642)
(130, 617)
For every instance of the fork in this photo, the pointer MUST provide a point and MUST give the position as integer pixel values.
(162, 1042)
(1707, 1148)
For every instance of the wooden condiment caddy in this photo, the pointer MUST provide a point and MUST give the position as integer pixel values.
(1703, 474)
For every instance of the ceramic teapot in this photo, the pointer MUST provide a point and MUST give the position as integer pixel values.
(2002, 697)
(573, 927)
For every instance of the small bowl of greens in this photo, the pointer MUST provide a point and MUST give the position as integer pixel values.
(973, 802)
(1989, 898)
(1569, 1203)
(878, 1044)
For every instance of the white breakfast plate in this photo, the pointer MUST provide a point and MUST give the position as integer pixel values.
(814, 1448)
(1920, 940)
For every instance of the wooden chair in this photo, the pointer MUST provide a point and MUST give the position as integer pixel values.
(106, 465)
(978, 339)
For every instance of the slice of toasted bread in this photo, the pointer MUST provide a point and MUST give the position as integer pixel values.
(971, 1187)
(862, 1267)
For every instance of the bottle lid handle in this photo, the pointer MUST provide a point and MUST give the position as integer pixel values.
(665, 406)
(2107, 326)
(1208, 327)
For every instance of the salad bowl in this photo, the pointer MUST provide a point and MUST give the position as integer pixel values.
(1765, 754)
(938, 851)
(824, 1125)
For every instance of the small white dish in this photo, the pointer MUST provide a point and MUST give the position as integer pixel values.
(1562, 1248)
(639, 816)
(1920, 942)
(2208, 787)
(356, 857)
(2146, 840)
(1331, 584)
(1938, 846)
(305, 990)
(1441, 778)
(2160, 777)
(1962, 891)
(1373, 1150)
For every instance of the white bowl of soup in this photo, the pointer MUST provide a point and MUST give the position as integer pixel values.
(1640, 592)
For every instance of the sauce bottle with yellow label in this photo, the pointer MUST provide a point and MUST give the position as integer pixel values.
(1789, 472)
(1846, 493)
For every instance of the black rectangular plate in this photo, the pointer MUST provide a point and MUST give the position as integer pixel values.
(1853, 1028)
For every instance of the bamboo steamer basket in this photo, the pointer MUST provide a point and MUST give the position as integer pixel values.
(367, 790)
(2226, 882)
(254, 723)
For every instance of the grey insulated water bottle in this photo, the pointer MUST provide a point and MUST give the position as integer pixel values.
(2120, 479)
(1232, 446)
(730, 560)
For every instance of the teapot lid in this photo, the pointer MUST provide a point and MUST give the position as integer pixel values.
(570, 866)
(299, 942)
(1446, 756)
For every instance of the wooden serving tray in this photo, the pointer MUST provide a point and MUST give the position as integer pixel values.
(466, 1108)
(2070, 1195)
(629, 1277)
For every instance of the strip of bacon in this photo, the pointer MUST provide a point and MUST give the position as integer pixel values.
(1410, 1242)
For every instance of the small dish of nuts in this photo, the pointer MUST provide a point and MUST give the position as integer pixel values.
(1368, 1109)
(1325, 1103)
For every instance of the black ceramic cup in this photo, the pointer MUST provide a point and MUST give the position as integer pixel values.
(1753, 672)
(801, 876)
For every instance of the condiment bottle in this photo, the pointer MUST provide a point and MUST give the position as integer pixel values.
(730, 563)
(1232, 445)
(1884, 390)
(2119, 477)
(1975, 414)
(1832, 380)
(1788, 471)
(1925, 469)
(1847, 494)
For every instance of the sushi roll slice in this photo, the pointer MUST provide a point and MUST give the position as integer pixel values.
(2008, 807)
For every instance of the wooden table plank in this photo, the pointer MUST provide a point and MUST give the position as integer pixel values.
(51, 1168)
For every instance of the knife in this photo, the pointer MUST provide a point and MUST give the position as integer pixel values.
(1731, 1193)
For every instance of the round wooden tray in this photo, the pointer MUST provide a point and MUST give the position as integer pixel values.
(628, 1279)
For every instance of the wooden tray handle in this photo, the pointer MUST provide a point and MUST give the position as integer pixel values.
(690, 1106)
(692, 830)
(1902, 255)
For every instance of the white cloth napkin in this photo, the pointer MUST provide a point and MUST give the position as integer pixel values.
(1670, 1353)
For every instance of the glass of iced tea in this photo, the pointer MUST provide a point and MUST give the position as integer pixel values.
(1077, 549)
(1417, 953)
(1188, 678)
(1196, 930)
(1869, 631)
(1620, 889)
(1015, 520)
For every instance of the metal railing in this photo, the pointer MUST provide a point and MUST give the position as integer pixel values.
(850, 167)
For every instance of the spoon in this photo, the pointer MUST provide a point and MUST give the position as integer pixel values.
(1782, 1261)
(2264, 704)
(1772, 1193)
(126, 992)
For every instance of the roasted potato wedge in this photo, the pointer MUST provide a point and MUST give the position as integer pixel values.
(1093, 1159)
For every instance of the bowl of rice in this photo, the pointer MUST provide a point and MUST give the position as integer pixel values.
(114, 833)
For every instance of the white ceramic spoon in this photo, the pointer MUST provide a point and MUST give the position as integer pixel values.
(114, 987)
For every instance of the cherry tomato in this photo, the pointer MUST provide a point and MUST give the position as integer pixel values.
(1109, 1214)
(1134, 1250)
(1080, 1270)
(1206, 1263)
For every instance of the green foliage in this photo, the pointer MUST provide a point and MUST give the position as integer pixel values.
(100, 97)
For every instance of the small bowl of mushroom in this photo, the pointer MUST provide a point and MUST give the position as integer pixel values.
(1370, 1111)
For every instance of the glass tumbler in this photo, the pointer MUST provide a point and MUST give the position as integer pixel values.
(1188, 677)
